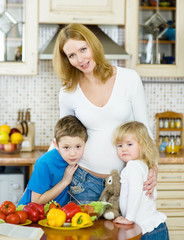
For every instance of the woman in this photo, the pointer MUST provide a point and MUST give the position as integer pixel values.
(102, 96)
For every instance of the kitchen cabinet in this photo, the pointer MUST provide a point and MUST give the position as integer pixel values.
(20, 159)
(18, 37)
(170, 199)
(154, 38)
(83, 11)
(169, 125)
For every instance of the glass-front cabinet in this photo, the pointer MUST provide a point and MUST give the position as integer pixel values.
(18, 37)
(155, 36)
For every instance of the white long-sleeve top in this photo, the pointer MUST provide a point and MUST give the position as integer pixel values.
(127, 102)
(134, 204)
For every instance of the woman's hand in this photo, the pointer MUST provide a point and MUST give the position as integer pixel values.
(151, 182)
(122, 220)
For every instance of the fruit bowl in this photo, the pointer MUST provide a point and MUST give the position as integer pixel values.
(10, 148)
(10, 139)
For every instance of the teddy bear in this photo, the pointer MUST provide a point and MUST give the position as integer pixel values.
(111, 194)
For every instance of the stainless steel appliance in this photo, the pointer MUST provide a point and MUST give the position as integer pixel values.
(12, 185)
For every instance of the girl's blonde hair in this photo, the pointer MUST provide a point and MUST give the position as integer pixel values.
(70, 75)
(148, 150)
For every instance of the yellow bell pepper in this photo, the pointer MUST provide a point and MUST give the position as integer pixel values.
(56, 217)
(80, 219)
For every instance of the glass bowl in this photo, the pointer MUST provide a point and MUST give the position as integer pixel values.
(10, 148)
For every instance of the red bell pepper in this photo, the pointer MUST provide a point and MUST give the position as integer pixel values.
(71, 209)
(32, 213)
(39, 208)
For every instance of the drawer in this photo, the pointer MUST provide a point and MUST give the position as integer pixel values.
(172, 212)
(170, 186)
(171, 167)
(176, 235)
(170, 194)
(170, 203)
(175, 223)
(170, 177)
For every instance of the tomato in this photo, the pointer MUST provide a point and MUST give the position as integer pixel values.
(22, 215)
(2, 216)
(53, 205)
(7, 207)
(12, 218)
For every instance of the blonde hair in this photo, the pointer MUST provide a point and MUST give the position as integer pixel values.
(70, 75)
(148, 151)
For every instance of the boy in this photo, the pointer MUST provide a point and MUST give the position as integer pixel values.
(54, 170)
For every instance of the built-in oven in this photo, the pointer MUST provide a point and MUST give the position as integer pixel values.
(12, 183)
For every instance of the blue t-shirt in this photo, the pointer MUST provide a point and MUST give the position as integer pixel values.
(48, 171)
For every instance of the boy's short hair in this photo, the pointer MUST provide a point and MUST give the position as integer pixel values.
(70, 126)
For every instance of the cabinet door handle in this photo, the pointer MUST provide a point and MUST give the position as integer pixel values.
(82, 19)
(171, 204)
(171, 177)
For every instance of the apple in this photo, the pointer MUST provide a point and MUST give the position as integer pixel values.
(9, 147)
(1, 146)
(13, 130)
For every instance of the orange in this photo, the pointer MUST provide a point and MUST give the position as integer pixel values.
(5, 128)
(16, 138)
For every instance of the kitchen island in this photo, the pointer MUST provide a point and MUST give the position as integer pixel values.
(101, 229)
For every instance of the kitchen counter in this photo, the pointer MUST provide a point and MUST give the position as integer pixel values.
(177, 158)
(101, 229)
(29, 158)
(22, 158)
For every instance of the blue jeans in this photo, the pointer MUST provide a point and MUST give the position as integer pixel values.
(159, 233)
(85, 187)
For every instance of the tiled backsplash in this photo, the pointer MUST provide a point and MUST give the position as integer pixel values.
(40, 93)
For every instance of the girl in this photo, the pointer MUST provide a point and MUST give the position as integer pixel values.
(138, 151)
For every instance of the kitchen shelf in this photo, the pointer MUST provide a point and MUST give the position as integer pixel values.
(145, 41)
(162, 27)
(14, 5)
(147, 8)
(169, 115)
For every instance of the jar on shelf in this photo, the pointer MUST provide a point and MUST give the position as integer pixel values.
(161, 139)
(161, 123)
(166, 123)
(166, 138)
(164, 143)
(178, 122)
(178, 140)
(172, 123)
(170, 145)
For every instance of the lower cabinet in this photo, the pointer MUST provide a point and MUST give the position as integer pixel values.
(170, 199)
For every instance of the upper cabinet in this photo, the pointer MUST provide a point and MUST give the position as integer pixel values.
(18, 37)
(155, 36)
(82, 11)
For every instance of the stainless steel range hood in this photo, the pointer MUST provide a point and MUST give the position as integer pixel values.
(111, 49)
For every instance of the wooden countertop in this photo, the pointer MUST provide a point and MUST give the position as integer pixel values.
(177, 158)
(29, 158)
(101, 229)
(22, 158)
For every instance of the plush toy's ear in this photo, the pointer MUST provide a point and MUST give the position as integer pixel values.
(116, 182)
